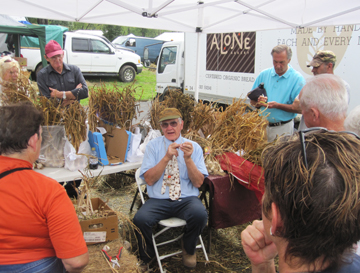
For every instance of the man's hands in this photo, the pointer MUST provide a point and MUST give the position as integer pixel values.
(54, 93)
(171, 151)
(260, 102)
(272, 104)
(260, 250)
(186, 147)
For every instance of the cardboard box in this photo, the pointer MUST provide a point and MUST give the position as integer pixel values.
(94, 229)
(117, 144)
(21, 61)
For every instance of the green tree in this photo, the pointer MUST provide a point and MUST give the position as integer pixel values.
(112, 31)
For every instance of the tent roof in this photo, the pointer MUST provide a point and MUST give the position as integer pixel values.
(187, 15)
(8, 21)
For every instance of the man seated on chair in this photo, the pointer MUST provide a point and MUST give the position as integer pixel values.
(173, 169)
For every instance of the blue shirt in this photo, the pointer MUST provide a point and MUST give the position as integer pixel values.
(156, 150)
(283, 89)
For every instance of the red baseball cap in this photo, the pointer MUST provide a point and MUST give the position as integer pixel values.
(53, 48)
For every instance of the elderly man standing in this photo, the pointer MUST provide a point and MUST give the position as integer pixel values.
(324, 102)
(323, 62)
(39, 229)
(173, 168)
(60, 80)
(282, 84)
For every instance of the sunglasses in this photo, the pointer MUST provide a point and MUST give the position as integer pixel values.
(173, 124)
(308, 131)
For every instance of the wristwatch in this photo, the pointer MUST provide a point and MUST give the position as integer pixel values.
(64, 96)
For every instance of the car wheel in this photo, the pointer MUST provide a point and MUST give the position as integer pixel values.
(38, 68)
(127, 73)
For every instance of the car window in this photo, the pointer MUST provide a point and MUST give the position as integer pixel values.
(131, 42)
(168, 56)
(99, 47)
(120, 40)
(80, 45)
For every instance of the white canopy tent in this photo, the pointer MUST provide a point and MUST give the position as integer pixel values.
(208, 16)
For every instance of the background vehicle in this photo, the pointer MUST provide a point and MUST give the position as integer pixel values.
(94, 55)
(138, 43)
(230, 62)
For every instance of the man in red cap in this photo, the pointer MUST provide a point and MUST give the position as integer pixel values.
(60, 80)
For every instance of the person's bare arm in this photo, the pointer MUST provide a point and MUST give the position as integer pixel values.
(76, 264)
(152, 175)
(59, 94)
(195, 176)
(292, 108)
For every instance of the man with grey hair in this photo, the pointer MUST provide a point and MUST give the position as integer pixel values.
(324, 102)
(282, 84)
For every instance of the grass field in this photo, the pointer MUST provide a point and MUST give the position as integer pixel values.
(146, 81)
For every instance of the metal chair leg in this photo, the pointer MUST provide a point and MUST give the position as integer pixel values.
(133, 202)
(157, 255)
(203, 248)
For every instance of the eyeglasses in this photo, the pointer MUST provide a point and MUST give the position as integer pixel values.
(173, 124)
(302, 134)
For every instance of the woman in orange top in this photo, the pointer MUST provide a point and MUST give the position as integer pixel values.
(39, 229)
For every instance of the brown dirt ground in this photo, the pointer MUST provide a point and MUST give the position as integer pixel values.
(226, 251)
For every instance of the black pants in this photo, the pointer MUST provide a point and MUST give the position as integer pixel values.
(189, 209)
(70, 189)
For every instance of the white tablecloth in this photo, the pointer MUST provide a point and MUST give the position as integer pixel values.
(62, 174)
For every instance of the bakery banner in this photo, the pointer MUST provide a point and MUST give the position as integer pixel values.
(231, 52)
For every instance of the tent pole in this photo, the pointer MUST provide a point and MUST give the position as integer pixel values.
(197, 78)
(17, 45)
(198, 31)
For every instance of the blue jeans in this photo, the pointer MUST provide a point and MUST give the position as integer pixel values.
(46, 265)
(190, 209)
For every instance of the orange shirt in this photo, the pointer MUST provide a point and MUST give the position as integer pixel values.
(37, 218)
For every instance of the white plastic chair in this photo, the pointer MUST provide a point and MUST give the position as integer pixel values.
(167, 224)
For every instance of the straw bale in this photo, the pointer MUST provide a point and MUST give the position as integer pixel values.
(116, 106)
(204, 118)
(154, 112)
(173, 99)
(51, 109)
(74, 117)
(238, 129)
